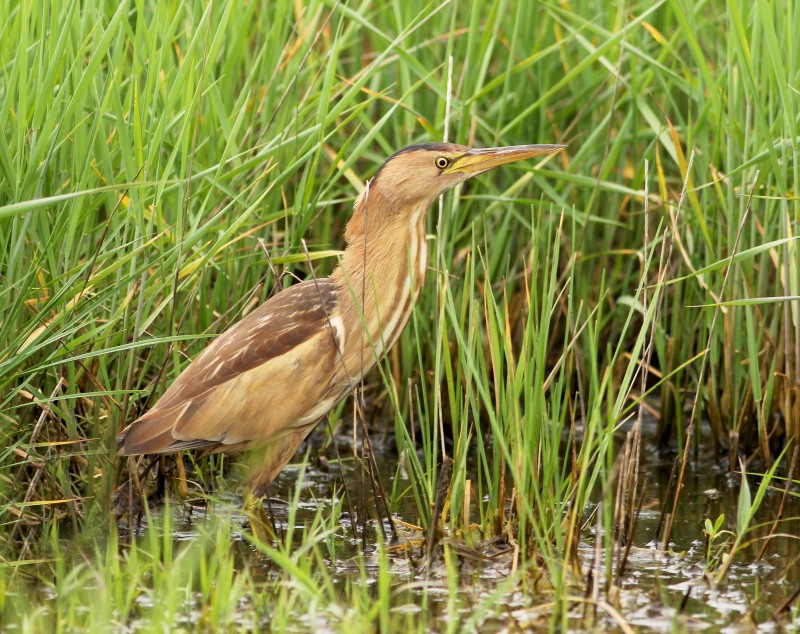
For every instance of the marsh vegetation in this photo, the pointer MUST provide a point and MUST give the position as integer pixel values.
(592, 418)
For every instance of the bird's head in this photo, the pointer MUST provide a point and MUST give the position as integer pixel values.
(415, 176)
(418, 174)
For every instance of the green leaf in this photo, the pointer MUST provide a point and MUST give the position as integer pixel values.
(744, 505)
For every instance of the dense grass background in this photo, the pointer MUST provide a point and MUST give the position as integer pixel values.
(161, 162)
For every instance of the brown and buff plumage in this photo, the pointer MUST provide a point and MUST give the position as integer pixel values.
(265, 383)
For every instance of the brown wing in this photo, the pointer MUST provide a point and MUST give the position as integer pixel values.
(260, 379)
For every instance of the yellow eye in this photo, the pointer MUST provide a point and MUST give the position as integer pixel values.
(442, 162)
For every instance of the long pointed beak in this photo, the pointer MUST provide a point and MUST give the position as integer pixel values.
(477, 161)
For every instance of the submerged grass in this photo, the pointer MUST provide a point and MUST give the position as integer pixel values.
(160, 163)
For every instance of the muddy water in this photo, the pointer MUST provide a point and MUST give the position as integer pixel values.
(662, 592)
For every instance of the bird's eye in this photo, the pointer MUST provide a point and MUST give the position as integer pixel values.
(442, 162)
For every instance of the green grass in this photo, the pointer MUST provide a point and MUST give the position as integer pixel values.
(152, 153)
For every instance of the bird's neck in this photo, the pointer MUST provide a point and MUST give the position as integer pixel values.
(380, 275)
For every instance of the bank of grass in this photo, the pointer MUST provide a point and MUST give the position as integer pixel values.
(161, 162)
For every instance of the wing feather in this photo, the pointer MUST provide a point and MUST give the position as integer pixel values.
(255, 382)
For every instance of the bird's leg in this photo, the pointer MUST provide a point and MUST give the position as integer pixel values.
(260, 523)
(183, 488)
(277, 534)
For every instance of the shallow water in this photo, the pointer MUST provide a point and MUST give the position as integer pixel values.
(659, 592)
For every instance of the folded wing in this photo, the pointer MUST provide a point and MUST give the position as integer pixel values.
(265, 377)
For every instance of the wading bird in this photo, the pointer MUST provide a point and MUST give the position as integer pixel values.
(267, 381)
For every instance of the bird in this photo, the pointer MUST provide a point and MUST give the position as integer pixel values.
(265, 383)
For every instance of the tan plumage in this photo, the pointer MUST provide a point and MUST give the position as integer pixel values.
(264, 383)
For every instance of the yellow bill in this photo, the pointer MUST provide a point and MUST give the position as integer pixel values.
(477, 161)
